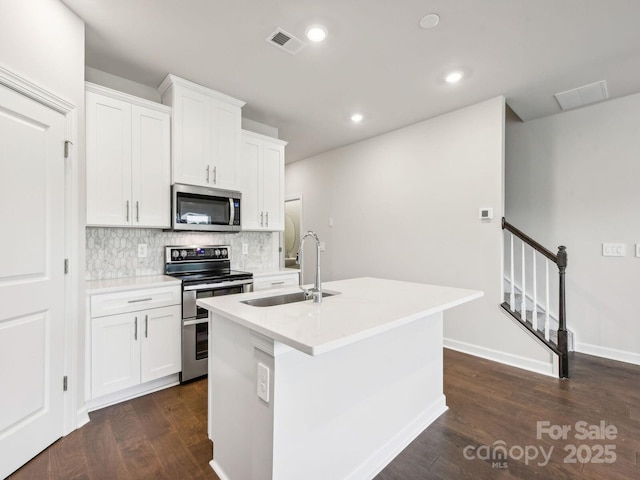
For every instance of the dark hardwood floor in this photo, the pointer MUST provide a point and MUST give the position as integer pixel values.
(163, 435)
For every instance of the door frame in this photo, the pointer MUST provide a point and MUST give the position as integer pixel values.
(74, 417)
(289, 198)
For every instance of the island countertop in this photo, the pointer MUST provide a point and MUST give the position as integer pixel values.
(364, 307)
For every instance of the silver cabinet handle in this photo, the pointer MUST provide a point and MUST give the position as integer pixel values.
(127, 209)
(135, 329)
(267, 219)
(277, 283)
(215, 175)
(262, 219)
(137, 211)
(146, 326)
(140, 300)
(207, 173)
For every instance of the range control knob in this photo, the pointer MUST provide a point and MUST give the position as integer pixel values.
(183, 254)
(224, 252)
(175, 254)
(216, 252)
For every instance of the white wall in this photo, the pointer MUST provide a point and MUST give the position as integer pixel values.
(405, 206)
(572, 179)
(43, 41)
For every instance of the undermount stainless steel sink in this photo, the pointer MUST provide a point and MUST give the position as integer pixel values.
(283, 299)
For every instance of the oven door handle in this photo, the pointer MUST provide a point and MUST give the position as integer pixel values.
(214, 286)
(195, 322)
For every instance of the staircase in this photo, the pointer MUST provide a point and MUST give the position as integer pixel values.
(528, 299)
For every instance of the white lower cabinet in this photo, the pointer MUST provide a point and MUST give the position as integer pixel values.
(137, 346)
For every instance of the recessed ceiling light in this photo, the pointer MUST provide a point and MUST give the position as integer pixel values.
(357, 117)
(453, 77)
(429, 21)
(316, 33)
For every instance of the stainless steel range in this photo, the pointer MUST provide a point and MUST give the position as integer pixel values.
(205, 272)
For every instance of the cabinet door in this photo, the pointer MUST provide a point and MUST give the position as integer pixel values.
(151, 163)
(115, 353)
(161, 342)
(108, 125)
(251, 207)
(226, 145)
(273, 186)
(192, 134)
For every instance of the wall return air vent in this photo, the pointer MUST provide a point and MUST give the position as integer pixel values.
(285, 41)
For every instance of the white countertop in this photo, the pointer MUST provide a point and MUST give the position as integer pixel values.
(94, 287)
(364, 307)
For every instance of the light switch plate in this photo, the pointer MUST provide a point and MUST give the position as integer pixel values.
(245, 249)
(637, 249)
(614, 249)
(142, 250)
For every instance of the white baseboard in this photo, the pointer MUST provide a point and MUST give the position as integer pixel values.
(536, 366)
(82, 417)
(386, 453)
(610, 353)
(216, 468)
(133, 392)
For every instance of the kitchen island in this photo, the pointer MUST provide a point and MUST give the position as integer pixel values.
(331, 390)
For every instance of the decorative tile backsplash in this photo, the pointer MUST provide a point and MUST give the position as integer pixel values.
(113, 252)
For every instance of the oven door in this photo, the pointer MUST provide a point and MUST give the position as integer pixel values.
(195, 324)
(208, 209)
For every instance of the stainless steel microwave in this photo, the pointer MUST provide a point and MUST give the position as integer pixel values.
(205, 209)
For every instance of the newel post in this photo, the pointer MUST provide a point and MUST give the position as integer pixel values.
(563, 343)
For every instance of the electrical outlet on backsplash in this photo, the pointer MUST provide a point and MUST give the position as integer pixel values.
(113, 252)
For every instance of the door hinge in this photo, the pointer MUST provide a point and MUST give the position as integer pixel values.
(67, 143)
(64, 383)
(66, 266)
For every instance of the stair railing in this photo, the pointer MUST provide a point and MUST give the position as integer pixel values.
(560, 345)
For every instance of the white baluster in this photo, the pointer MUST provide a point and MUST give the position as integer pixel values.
(547, 306)
(512, 279)
(534, 310)
(523, 301)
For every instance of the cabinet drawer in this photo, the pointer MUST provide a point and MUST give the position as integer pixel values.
(275, 281)
(134, 300)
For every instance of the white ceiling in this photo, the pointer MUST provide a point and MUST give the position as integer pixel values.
(375, 60)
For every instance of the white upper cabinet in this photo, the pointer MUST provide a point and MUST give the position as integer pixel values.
(262, 182)
(128, 160)
(206, 134)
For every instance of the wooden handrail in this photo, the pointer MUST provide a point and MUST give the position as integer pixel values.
(560, 259)
(530, 241)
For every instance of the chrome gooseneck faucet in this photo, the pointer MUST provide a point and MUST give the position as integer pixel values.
(316, 291)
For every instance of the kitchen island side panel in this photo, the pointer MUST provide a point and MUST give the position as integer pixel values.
(347, 413)
(344, 414)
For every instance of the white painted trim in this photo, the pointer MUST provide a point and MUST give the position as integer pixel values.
(171, 80)
(33, 91)
(218, 469)
(125, 97)
(72, 287)
(82, 417)
(610, 353)
(535, 366)
(379, 459)
(133, 392)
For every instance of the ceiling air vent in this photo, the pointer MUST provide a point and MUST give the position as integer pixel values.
(285, 41)
(581, 96)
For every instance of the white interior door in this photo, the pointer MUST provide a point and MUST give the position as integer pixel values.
(31, 278)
